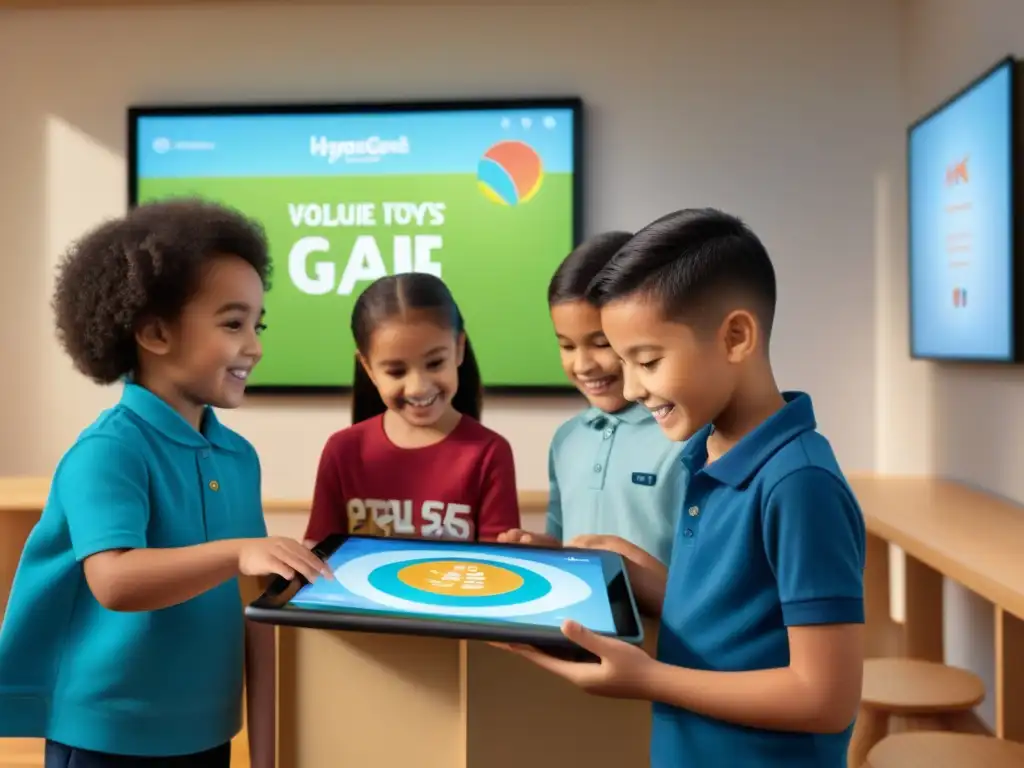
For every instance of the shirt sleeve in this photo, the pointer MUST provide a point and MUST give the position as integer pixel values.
(553, 526)
(499, 508)
(102, 485)
(328, 513)
(815, 542)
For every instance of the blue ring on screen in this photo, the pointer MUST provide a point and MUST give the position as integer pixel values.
(385, 578)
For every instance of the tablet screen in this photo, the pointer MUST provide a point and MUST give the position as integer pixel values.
(464, 582)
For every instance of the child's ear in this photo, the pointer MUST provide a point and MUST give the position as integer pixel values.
(460, 349)
(740, 335)
(153, 336)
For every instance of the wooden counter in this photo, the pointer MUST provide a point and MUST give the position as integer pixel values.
(947, 530)
(21, 502)
(377, 700)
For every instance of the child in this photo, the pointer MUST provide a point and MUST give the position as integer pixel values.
(123, 638)
(416, 461)
(611, 469)
(760, 646)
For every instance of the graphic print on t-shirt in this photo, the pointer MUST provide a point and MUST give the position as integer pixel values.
(403, 517)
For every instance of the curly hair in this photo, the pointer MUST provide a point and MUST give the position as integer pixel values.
(143, 266)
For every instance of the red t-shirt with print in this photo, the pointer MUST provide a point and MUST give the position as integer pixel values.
(463, 487)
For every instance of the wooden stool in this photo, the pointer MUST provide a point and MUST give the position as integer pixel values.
(945, 750)
(901, 695)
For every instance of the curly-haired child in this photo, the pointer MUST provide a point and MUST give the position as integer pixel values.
(124, 636)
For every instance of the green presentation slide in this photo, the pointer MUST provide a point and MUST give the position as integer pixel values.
(484, 200)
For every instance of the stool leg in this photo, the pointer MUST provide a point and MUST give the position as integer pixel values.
(965, 722)
(871, 727)
(910, 723)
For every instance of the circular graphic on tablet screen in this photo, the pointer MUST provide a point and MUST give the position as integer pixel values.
(475, 585)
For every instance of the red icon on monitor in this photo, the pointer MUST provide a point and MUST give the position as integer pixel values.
(959, 297)
(957, 173)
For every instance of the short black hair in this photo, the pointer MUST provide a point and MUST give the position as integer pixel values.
(390, 297)
(581, 266)
(143, 266)
(690, 261)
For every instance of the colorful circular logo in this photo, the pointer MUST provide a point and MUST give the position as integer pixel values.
(464, 578)
(510, 173)
(440, 582)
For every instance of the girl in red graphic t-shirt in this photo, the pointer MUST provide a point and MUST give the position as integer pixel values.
(416, 461)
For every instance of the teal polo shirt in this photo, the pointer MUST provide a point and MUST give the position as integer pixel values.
(615, 474)
(160, 683)
(771, 537)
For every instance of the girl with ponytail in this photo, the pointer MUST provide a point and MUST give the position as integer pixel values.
(416, 461)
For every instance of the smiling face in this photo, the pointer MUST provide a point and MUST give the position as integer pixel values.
(684, 376)
(587, 359)
(205, 355)
(414, 363)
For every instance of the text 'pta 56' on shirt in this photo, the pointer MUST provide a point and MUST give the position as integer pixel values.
(463, 487)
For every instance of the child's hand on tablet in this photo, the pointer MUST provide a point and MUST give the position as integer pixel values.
(519, 536)
(282, 556)
(623, 671)
(620, 546)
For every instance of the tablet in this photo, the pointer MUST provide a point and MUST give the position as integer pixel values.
(508, 593)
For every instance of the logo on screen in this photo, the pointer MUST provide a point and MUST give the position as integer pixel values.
(468, 579)
(957, 173)
(510, 173)
(369, 150)
(959, 297)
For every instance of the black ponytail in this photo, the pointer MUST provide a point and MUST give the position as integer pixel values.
(391, 297)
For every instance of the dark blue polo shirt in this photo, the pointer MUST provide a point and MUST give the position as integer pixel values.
(770, 537)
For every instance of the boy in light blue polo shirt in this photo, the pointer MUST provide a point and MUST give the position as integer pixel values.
(611, 469)
(124, 635)
(760, 649)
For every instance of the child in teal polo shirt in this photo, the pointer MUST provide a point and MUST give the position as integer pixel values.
(124, 635)
(611, 470)
(760, 648)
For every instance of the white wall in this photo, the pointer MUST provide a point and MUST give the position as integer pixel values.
(783, 112)
(973, 416)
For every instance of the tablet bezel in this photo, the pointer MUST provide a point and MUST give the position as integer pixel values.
(271, 608)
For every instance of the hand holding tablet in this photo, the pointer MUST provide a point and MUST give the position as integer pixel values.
(519, 536)
(504, 593)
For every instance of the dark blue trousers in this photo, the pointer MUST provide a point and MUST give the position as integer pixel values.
(60, 756)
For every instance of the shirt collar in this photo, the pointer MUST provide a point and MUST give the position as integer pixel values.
(743, 460)
(631, 414)
(158, 414)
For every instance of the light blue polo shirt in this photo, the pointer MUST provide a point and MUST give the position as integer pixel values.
(771, 537)
(615, 474)
(163, 683)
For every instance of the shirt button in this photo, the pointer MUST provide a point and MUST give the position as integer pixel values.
(214, 485)
(694, 511)
(688, 533)
(597, 467)
(204, 454)
(608, 433)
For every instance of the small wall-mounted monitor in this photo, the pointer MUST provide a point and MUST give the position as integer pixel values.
(484, 194)
(964, 241)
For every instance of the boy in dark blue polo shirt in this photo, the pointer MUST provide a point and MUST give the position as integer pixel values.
(760, 651)
(124, 638)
